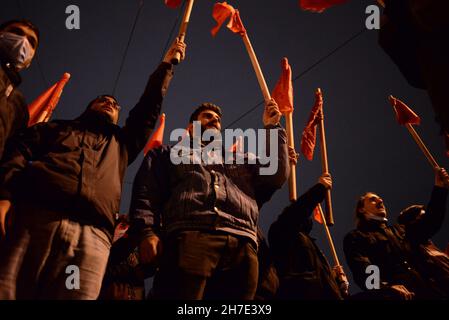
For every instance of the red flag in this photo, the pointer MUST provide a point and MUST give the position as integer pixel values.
(237, 147)
(319, 5)
(404, 115)
(40, 110)
(308, 141)
(157, 138)
(173, 3)
(223, 11)
(283, 92)
(317, 215)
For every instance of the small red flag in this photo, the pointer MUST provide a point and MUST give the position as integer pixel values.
(317, 215)
(308, 141)
(283, 92)
(319, 5)
(404, 115)
(173, 3)
(157, 138)
(223, 11)
(40, 110)
(237, 147)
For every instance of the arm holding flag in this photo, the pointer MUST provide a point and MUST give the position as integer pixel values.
(143, 117)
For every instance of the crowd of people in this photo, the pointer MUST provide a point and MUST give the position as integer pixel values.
(193, 226)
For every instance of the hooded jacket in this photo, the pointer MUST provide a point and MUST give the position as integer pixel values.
(77, 167)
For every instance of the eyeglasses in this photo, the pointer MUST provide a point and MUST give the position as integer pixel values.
(108, 100)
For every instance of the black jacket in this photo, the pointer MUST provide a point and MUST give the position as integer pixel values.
(303, 270)
(223, 197)
(13, 109)
(389, 248)
(77, 167)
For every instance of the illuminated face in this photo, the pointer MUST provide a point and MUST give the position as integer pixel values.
(107, 106)
(209, 120)
(25, 31)
(374, 205)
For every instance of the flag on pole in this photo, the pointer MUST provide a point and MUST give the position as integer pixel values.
(308, 141)
(317, 215)
(404, 115)
(222, 12)
(283, 92)
(173, 3)
(41, 109)
(157, 138)
(319, 6)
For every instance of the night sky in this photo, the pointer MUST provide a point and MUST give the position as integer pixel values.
(367, 150)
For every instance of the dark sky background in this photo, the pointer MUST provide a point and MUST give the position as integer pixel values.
(367, 150)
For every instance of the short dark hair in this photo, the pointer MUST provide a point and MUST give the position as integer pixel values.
(203, 107)
(25, 22)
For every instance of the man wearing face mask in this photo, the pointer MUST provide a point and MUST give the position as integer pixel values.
(376, 243)
(65, 180)
(18, 43)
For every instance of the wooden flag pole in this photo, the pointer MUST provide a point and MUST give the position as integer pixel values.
(325, 167)
(288, 117)
(291, 142)
(329, 237)
(183, 29)
(422, 146)
(257, 69)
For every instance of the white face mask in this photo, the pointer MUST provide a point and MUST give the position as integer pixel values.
(17, 49)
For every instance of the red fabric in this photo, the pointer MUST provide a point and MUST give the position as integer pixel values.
(308, 140)
(404, 115)
(157, 138)
(319, 5)
(317, 215)
(44, 105)
(223, 11)
(283, 92)
(173, 3)
(237, 147)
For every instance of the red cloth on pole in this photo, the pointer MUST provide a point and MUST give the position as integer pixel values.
(157, 138)
(317, 215)
(47, 101)
(283, 92)
(404, 115)
(308, 140)
(223, 11)
(173, 3)
(319, 5)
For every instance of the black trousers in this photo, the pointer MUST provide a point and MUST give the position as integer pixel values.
(200, 265)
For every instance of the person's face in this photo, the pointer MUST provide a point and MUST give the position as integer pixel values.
(23, 30)
(373, 204)
(209, 120)
(108, 107)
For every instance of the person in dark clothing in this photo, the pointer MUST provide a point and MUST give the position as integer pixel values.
(431, 262)
(304, 272)
(65, 180)
(125, 275)
(414, 35)
(19, 40)
(205, 214)
(375, 243)
(268, 283)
